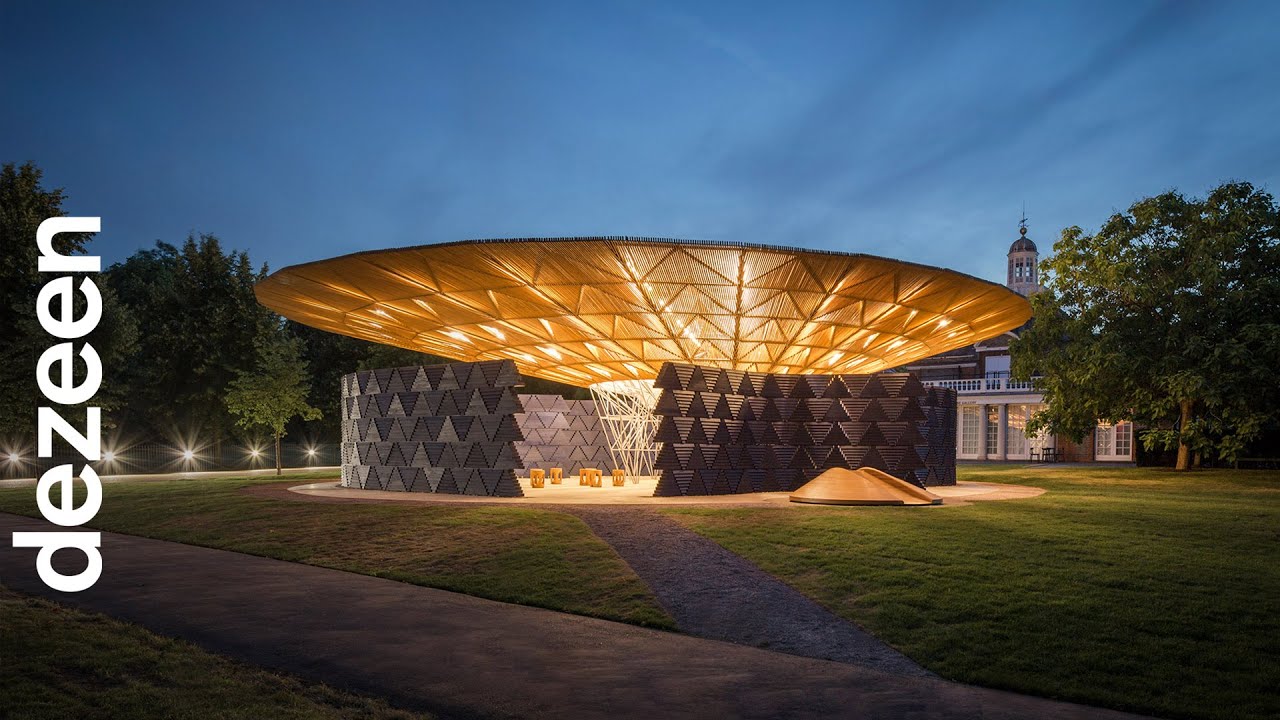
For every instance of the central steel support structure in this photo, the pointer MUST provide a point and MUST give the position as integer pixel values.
(625, 408)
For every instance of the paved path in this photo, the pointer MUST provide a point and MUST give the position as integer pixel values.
(461, 656)
(717, 594)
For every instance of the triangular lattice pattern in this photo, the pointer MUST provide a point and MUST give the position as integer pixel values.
(586, 310)
(725, 431)
(435, 428)
(561, 433)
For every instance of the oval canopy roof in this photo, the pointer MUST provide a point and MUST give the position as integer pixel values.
(586, 310)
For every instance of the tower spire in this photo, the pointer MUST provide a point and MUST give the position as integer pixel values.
(1024, 259)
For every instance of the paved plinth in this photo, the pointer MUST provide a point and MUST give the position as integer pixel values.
(465, 657)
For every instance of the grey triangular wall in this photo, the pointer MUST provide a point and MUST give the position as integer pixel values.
(726, 431)
(431, 429)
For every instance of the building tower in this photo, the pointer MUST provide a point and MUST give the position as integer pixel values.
(1024, 258)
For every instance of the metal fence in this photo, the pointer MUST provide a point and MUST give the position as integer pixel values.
(152, 458)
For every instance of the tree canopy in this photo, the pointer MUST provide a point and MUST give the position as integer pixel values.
(1168, 316)
(200, 321)
(24, 204)
(274, 391)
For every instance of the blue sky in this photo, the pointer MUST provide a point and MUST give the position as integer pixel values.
(303, 130)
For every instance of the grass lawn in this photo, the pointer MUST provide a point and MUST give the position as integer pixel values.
(1130, 588)
(63, 663)
(519, 555)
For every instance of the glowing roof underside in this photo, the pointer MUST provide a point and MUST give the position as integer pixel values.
(584, 310)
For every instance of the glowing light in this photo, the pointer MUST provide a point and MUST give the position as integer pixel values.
(187, 454)
(560, 294)
(108, 456)
(254, 452)
(311, 451)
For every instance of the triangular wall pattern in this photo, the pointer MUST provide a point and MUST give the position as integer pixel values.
(562, 433)
(436, 428)
(727, 431)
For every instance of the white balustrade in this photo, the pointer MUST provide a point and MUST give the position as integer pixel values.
(985, 385)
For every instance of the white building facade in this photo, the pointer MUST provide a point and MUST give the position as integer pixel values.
(993, 409)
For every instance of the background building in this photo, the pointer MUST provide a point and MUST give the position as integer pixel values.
(993, 409)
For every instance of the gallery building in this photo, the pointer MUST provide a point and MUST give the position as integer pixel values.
(993, 409)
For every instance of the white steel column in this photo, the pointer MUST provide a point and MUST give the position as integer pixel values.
(625, 408)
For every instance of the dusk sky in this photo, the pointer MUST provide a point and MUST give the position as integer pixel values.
(304, 130)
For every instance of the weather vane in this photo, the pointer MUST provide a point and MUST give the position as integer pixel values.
(1022, 224)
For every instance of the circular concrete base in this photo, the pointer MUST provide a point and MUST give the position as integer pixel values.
(641, 493)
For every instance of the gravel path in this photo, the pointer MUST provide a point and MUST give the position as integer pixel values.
(716, 594)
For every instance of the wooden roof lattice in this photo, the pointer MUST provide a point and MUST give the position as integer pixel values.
(587, 310)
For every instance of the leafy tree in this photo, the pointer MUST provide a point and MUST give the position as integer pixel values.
(24, 204)
(200, 322)
(275, 391)
(1168, 316)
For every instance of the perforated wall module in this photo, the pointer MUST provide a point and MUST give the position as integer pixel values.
(561, 433)
(436, 428)
(726, 431)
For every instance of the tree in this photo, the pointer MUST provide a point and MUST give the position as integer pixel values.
(275, 391)
(201, 321)
(24, 204)
(1169, 317)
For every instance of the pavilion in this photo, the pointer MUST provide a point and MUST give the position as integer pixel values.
(799, 340)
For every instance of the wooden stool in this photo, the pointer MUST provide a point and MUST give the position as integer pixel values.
(557, 476)
(537, 477)
(595, 478)
(619, 478)
(589, 476)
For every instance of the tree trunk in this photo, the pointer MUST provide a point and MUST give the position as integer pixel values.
(1184, 450)
(278, 471)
